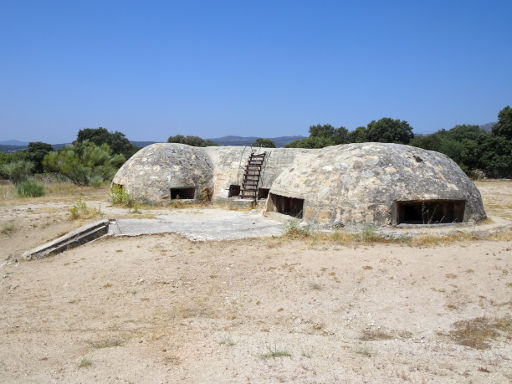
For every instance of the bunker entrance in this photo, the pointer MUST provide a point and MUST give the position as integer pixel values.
(288, 205)
(262, 193)
(430, 211)
(182, 193)
(234, 190)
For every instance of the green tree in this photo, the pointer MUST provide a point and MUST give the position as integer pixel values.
(503, 127)
(265, 143)
(116, 141)
(430, 142)
(36, 152)
(312, 142)
(495, 156)
(84, 162)
(325, 130)
(322, 135)
(387, 130)
(452, 149)
(341, 136)
(464, 131)
(194, 141)
(358, 135)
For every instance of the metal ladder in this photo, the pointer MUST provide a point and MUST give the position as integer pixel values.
(252, 175)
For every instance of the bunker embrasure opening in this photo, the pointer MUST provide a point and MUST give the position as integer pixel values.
(263, 193)
(182, 193)
(288, 205)
(430, 211)
(234, 190)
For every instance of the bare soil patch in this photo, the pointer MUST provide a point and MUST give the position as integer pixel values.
(164, 309)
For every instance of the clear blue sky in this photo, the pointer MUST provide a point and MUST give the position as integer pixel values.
(152, 69)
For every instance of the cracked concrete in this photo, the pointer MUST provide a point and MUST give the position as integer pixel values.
(202, 225)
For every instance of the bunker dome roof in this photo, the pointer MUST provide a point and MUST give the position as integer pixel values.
(359, 183)
(151, 173)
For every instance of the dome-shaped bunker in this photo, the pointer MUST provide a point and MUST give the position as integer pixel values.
(376, 183)
(354, 184)
(162, 172)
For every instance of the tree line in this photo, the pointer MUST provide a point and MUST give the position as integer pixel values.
(93, 158)
(476, 151)
(96, 154)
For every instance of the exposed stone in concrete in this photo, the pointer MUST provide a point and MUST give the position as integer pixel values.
(150, 174)
(352, 184)
(360, 183)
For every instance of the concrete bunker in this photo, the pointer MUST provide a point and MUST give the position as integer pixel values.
(290, 206)
(351, 185)
(183, 193)
(429, 211)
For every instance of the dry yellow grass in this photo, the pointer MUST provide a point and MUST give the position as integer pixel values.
(61, 192)
(479, 332)
(361, 238)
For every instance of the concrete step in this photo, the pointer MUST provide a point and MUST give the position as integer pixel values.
(70, 240)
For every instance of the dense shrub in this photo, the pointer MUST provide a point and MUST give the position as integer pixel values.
(36, 152)
(17, 171)
(84, 163)
(30, 188)
(119, 196)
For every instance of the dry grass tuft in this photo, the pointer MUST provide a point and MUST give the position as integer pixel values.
(316, 286)
(226, 341)
(479, 332)
(196, 307)
(109, 343)
(437, 240)
(85, 363)
(8, 229)
(80, 210)
(274, 353)
(293, 231)
(375, 334)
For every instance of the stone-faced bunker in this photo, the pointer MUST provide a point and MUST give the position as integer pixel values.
(353, 184)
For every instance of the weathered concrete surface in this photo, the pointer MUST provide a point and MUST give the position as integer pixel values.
(150, 174)
(202, 225)
(70, 240)
(359, 183)
(229, 166)
(354, 184)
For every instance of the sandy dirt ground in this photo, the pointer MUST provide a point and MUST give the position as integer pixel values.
(163, 309)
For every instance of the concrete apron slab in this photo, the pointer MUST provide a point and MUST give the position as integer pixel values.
(208, 225)
(196, 225)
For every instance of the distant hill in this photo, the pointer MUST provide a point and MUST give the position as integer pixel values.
(6, 148)
(142, 144)
(14, 143)
(280, 141)
(487, 127)
(11, 148)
